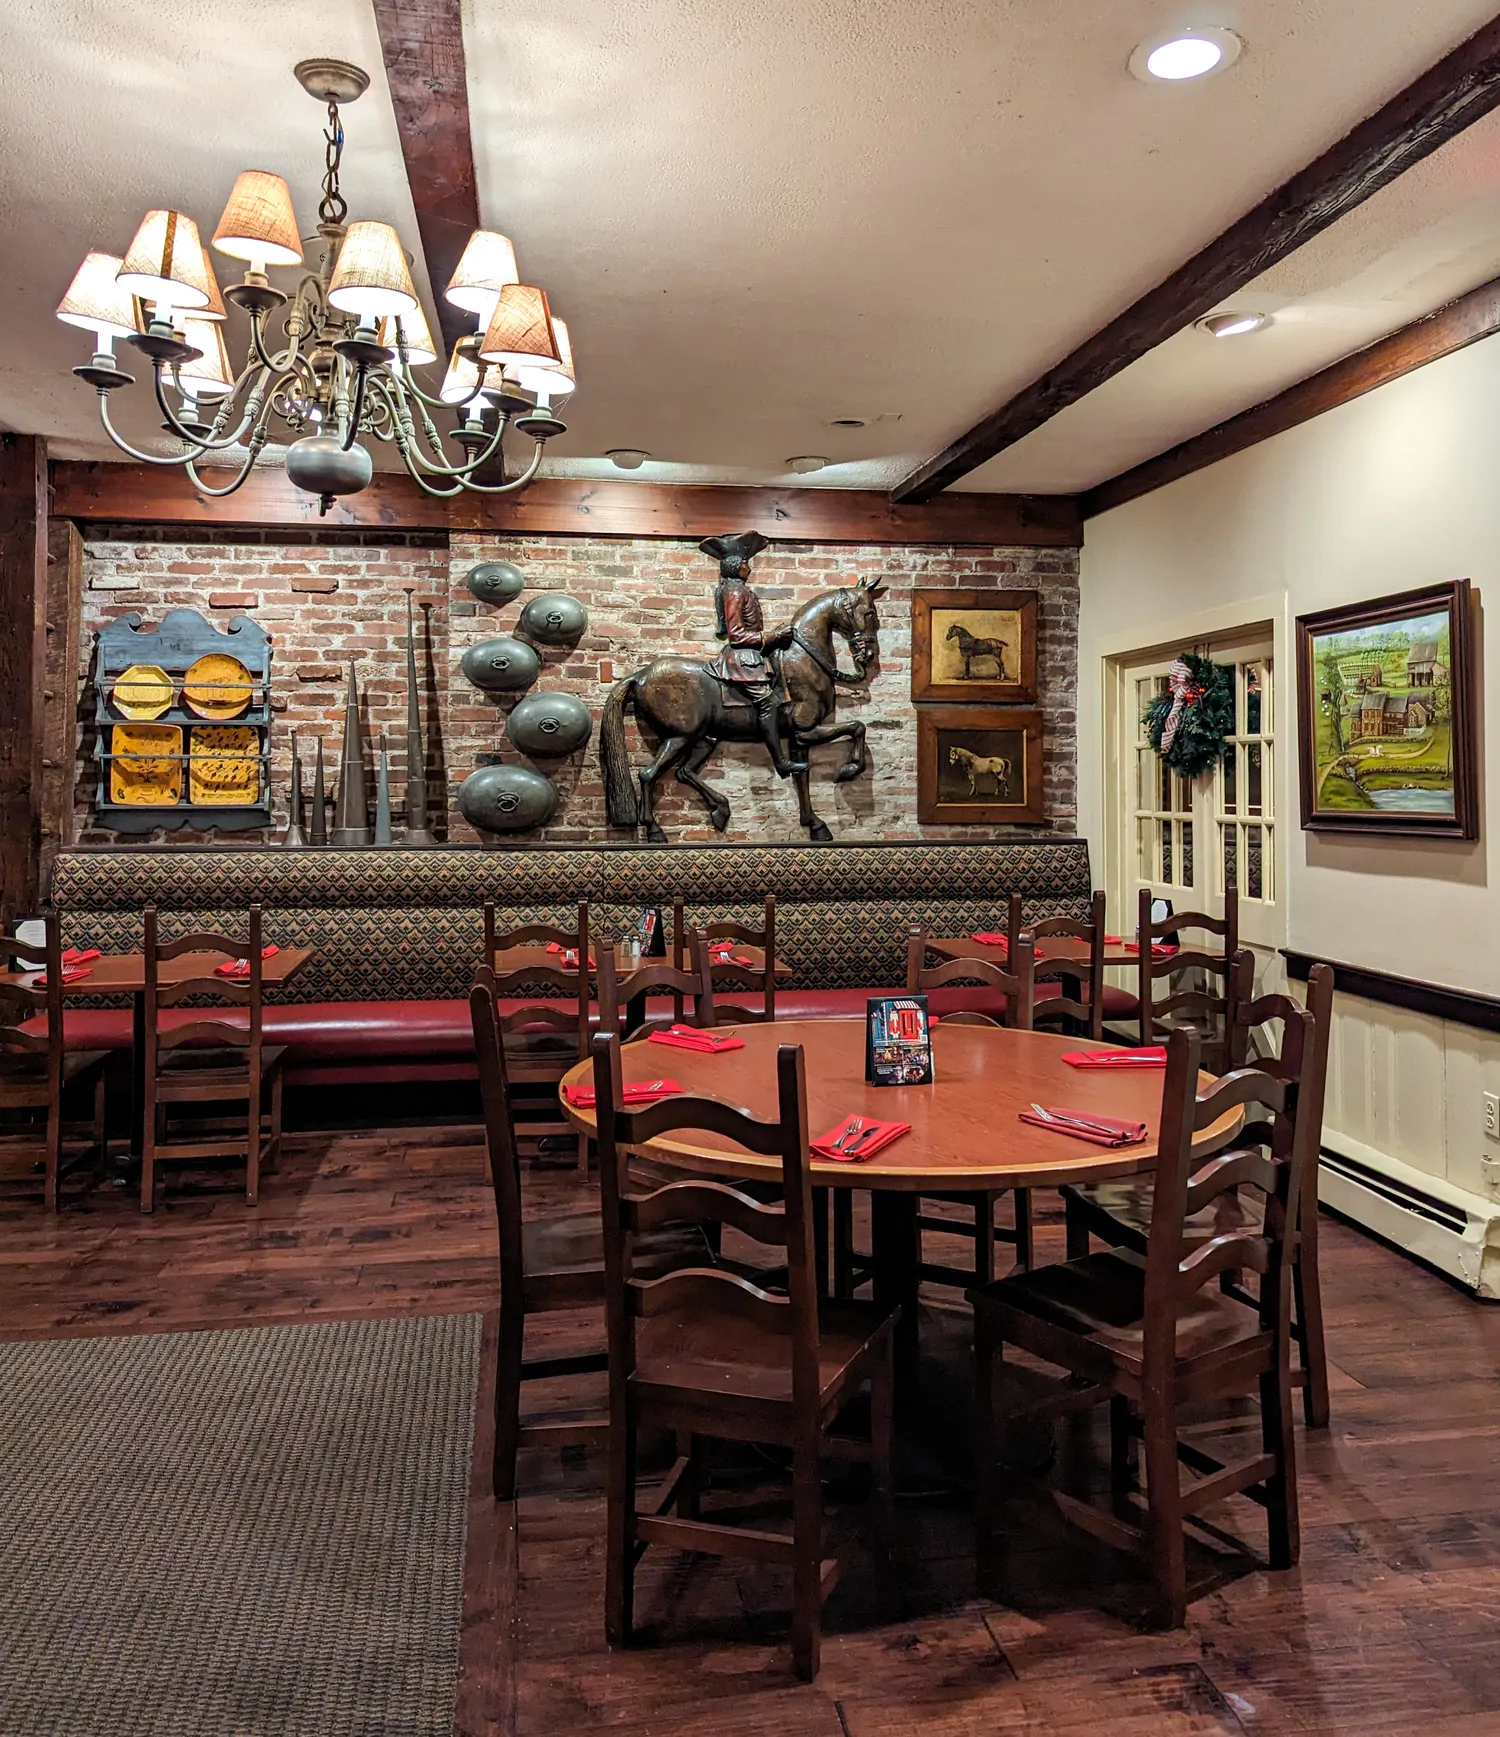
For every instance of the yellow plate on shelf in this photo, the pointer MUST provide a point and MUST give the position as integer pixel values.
(217, 686)
(145, 777)
(143, 691)
(223, 767)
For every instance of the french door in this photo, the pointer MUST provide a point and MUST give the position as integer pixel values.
(1187, 840)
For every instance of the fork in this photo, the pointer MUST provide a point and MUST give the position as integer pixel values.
(1075, 1122)
(855, 1126)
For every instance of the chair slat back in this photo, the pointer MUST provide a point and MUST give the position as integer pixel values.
(657, 977)
(1200, 1005)
(726, 929)
(243, 992)
(1016, 984)
(1276, 1156)
(1088, 1006)
(27, 1001)
(499, 1135)
(569, 1011)
(534, 934)
(700, 1290)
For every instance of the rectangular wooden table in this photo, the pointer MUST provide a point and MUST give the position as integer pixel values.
(125, 974)
(532, 958)
(1050, 950)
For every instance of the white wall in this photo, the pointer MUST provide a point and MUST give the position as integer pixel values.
(1398, 489)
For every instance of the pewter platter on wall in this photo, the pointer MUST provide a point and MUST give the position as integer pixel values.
(554, 618)
(501, 666)
(495, 581)
(546, 723)
(507, 799)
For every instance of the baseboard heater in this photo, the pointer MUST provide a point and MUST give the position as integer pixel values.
(1447, 1227)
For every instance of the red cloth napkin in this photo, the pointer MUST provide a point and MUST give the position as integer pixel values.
(70, 974)
(1153, 1055)
(569, 954)
(1157, 948)
(1102, 1130)
(989, 938)
(241, 967)
(79, 955)
(872, 1137)
(723, 956)
(689, 1037)
(636, 1092)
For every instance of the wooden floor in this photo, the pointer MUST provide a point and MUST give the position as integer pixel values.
(1389, 1625)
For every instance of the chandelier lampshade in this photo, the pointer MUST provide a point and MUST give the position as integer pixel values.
(215, 309)
(520, 332)
(208, 375)
(259, 224)
(420, 348)
(463, 379)
(96, 302)
(554, 382)
(487, 266)
(370, 278)
(164, 263)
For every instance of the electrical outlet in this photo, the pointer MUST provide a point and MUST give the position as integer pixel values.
(1492, 1115)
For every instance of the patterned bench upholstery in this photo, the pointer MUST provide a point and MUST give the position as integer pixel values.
(393, 925)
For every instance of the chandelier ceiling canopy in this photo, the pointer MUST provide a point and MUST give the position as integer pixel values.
(339, 371)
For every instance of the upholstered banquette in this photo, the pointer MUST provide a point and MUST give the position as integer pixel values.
(398, 933)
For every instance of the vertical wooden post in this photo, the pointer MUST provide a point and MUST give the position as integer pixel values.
(23, 600)
(60, 687)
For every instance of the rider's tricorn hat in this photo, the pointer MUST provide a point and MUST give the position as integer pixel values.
(742, 546)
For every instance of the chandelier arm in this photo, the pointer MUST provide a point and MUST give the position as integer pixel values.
(411, 451)
(361, 375)
(134, 452)
(244, 471)
(460, 471)
(212, 443)
(518, 482)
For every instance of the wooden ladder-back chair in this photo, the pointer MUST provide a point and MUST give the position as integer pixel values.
(545, 1037)
(1119, 1213)
(36, 1070)
(617, 994)
(762, 983)
(546, 1264)
(198, 1058)
(1200, 1008)
(1053, 977)
(708, 1355)
(1155, 1334)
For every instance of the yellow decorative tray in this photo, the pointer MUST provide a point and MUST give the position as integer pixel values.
(224, 767)
(145, 777)
(217, 686)
(142, 692)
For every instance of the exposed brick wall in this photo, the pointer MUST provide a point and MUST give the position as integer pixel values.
(645, 598)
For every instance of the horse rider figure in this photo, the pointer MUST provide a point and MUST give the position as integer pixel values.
(741, 623)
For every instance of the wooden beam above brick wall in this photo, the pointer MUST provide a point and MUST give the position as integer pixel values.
(147, 495)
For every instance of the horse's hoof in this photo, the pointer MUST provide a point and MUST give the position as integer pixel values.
(719, 819)
(849, 769)
(655, 835)
(818, 833)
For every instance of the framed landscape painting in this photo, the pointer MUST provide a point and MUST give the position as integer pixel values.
(973, 647)
(1386, 719)
(977, 767)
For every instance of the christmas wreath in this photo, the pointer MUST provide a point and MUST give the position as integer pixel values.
(1188, 723)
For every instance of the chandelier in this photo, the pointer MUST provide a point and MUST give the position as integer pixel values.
(342, 371)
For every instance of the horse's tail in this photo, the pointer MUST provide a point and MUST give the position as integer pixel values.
(619, 780)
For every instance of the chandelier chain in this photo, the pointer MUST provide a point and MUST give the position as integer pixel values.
(333, 208)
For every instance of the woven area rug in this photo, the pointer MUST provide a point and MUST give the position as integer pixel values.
(255, 1533)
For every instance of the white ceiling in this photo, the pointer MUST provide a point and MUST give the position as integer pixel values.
(758, 215)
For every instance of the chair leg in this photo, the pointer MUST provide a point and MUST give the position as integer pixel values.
(882, 1448)
(1076, 1230)
(1121, 1444)
(1168, 1551)
(583, 1154)
(619, 1544)
(988, 1353)
(690, 1490)
(101, 1118)
(820, 1238)
(1279, 1438)
(807, 1552)
(1025, 1234)
(1307, 1295)
(151, 1133)
(253, 1099)
(508, 1398)
(54, 1156)
(843, 1243)
(984, 1238)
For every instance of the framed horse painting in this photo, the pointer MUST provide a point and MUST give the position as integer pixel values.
(973, 647)
(978, 767)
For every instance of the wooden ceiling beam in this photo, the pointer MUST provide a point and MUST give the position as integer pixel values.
(423, 45)
(1459, 90)
(129, 494)
(1439, 334)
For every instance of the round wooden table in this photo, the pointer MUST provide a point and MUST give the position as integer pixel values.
(965, 1133)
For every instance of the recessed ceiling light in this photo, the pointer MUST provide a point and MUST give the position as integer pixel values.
(1185, 54)
(806, 463)
(627, 457)
(1232, 324)
(849, 422)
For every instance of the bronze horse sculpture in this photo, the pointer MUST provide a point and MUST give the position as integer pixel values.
(690, 711)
